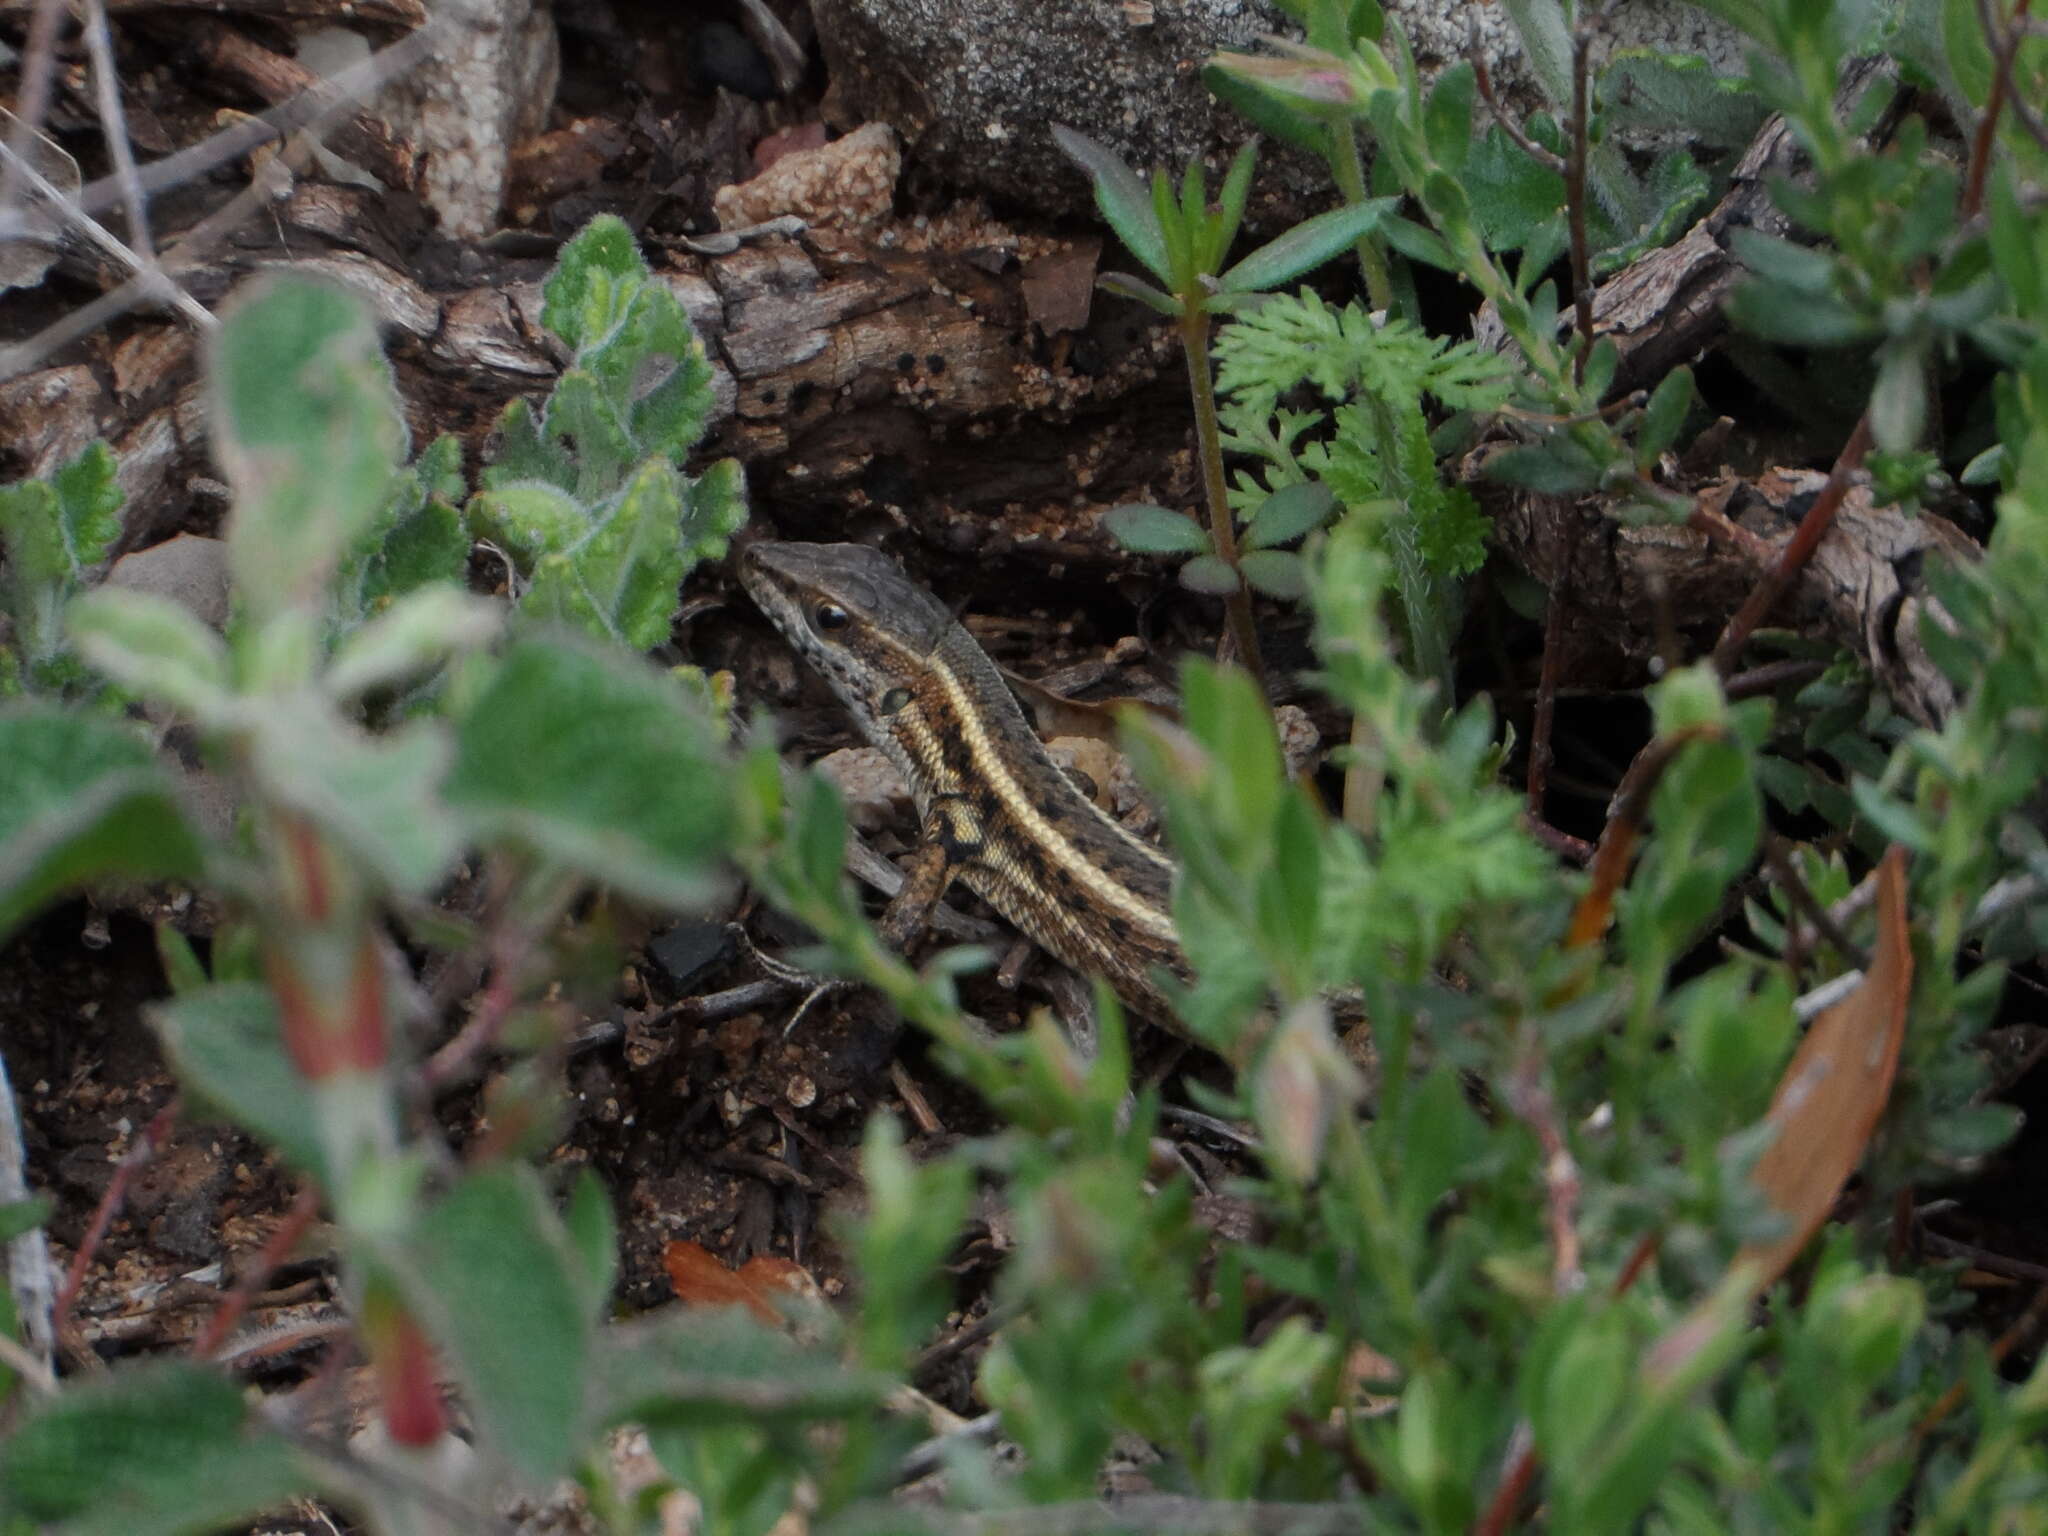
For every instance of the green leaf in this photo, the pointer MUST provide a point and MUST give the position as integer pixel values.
(1306, 246)
(1418, 244)
(418, 631)
(379, 796)
(598, 761)
(1898, 400)
(715, 509)
(1513, 197)
(492, 1276)
(1288, 513)
(711, 1366)
(594, 280)
(156, 647)
(1799, 268)
(1209, 574)
(306, 425)
(1782, 314)
(227, 1045)
(55, 531)
(417, 539)
(81, 799)
(1447, 119)
(1559, 467)
(1237, 185)
(169, 1448)
(1124, 286)
(1663, 417)
(1121, 197)
(1275, 572)
(1146, 529)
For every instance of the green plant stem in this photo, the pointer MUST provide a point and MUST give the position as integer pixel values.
(1349, 168)
(1194, 336)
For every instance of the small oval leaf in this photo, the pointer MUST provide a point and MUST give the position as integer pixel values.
(1208, 574)
(1276, 572)
(1145, 529)
(1288, 513)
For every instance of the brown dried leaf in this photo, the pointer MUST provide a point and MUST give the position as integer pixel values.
(1831, 1096)
(764, 1285)
(1059, 288)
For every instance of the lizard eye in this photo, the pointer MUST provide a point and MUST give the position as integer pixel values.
(832, 616)
(894, 700)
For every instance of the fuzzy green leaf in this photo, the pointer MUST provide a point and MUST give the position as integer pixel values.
(1288, 513)
(493, 1277)
(226, 1043)
(1306, 246)
(593, 282)
(1145, 529)
(1663, 417)
(377, 795)
(1418, 243)
(55, 531)
(598, 761)
(81, 799)
(1122, 198)
(1210, 575)
(1124, 286)
(164, 1449)
(155, 647)
(418, 631)
(1275, 572)
(306, 424)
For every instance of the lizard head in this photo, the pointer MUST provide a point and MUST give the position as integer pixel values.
(855, 617)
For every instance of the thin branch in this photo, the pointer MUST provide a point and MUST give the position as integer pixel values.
(38, 68)
(149, 277)
(314, 107)
(2004, 43)
(1797, 551)
(1483, 78)
(114, 128)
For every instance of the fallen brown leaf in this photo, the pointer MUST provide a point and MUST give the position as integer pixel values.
(1831, 1096)
(702, 1279)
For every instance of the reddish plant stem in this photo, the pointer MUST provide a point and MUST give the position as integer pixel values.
(1513, 1488)
(2003, 49)
(137, 1157)
(1776, 581)
(1624, 824)
(276, 1249)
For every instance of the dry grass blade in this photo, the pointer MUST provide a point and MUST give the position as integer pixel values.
(1831, 1096)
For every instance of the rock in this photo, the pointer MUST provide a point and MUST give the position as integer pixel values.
(973, 88)
(489, 85)
(848, 185)
(191, 571)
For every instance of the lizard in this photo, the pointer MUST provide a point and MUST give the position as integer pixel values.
(995, 811)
